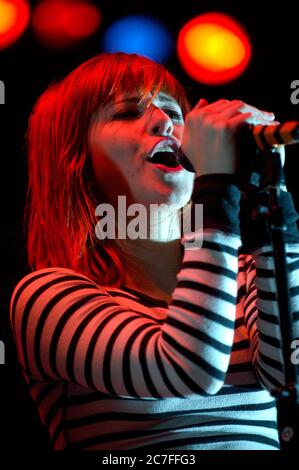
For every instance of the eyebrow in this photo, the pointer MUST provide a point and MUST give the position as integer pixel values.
(136, 99)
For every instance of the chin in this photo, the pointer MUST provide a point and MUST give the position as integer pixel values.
(176, 195)
(180, 195)
(175, 199)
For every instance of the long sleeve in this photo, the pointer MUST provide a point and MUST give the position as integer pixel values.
(260, 305)
(68, 328)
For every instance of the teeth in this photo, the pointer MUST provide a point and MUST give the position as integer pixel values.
(164, 147)
(168, 148)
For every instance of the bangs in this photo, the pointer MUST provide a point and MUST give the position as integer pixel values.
(141, 76)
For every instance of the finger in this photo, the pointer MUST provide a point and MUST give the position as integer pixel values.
(239, 120)
(257, 117)
(212, 106)
(223, 105)
(219, 106)
(232, 109)
(261, 120)
(201, 103)
(258, 112)
(269, 114)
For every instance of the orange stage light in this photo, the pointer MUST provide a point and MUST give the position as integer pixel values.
(213, 48)
(14, 17)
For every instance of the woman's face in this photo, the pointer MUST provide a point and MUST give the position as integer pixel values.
(124, 135)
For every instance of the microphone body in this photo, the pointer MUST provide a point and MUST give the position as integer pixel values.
(263, 136)
(278, 134)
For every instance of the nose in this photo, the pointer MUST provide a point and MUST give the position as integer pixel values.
(159, 122)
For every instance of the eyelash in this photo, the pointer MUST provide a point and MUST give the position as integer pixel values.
(134, 113)
(175, 115)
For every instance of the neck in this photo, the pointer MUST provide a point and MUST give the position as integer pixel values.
(151, 264)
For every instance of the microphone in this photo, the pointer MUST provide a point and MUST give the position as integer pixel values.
(264, 137)
(277, 134)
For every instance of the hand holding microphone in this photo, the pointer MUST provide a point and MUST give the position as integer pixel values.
(209, 143)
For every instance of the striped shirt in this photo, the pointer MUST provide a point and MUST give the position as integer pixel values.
(112, 368)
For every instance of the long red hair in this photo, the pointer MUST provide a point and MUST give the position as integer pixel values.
(60, 207)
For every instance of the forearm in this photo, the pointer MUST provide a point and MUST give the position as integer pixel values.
(261, 305)
(207, 282)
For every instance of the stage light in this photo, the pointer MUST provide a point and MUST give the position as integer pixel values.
(14, 17)
(141, 35)
(213, 48)
(61, 24)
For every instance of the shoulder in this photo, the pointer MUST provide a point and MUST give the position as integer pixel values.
(54, 275)
(50, 283)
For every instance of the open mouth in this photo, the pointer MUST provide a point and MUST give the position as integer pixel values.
(166, 158)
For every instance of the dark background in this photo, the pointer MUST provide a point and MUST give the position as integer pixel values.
(27, 68)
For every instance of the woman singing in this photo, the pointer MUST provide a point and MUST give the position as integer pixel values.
(146, 342)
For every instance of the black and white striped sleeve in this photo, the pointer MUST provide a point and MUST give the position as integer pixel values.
(261, 306)
(68, 328)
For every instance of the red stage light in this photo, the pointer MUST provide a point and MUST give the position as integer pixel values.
(213, 48)
(63, 23)
(14, 17)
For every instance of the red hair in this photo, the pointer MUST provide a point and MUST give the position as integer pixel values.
(60, 207)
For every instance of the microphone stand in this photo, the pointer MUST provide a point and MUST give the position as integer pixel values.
(286, 396)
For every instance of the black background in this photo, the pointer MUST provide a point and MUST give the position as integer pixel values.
(27, 68)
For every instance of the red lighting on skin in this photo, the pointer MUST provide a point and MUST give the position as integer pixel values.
(213, 48)
(63, 23)
(14, 17)
(168, 169)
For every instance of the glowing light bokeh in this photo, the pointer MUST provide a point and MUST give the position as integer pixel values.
(14, 18)
(213, 48)
(141, 35)
(61, 24)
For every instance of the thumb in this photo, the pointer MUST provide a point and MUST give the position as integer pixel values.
(201, 103)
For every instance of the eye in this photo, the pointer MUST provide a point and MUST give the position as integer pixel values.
(173, 114)
(127, 114)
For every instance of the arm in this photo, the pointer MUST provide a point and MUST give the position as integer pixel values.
(67, 328)
(261, 308)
